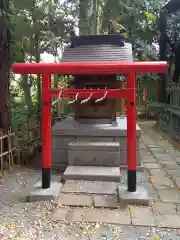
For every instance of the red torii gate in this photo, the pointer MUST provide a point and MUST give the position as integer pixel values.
(73, 68)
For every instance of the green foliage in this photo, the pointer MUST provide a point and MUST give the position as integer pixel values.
(41, 26)
(35, 22)
(37, 26)
(150, 16)
(16, 104)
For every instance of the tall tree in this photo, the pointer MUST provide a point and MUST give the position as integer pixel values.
(4, 65)
(169, 43)
(39, 26)
(85, 15)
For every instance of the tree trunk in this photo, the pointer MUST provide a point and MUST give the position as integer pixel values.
(162, 57)
(27, 94)
(163, 77)
(176, 73)
(38, 80)
(85, 16)
(4, 66)
(95, 17)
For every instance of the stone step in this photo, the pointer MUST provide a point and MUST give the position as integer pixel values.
(91, 153)
(92, 173)
(92, 145)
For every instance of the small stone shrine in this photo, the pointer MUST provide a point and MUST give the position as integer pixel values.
(94, 137)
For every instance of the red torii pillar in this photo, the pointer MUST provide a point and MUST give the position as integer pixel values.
(46, 69)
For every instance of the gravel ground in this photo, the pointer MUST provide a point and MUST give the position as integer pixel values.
(21, 220)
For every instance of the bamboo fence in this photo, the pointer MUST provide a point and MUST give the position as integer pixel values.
(16, 147)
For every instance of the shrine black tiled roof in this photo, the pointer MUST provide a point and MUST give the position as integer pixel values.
(115, 39)
(98, 48)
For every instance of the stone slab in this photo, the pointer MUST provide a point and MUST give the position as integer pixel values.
(94, 146)
(60, 156)
(152, 193)
(169, 195)
(161, 182)
(39, 194)
(139, 168)
(152, 166)
(104, 201)
(151, 145)
(94, 139)
(148, 159)
(94, 158)
(146, 153)
(163, 208)
(123, 142)
(157, 150)
(164, 162)
(61, 142)
(177, 159)
(167, 221)
(74, 200)
(170, 166)
(94, 121)
(59, 167)
(176, 153)
(175, 173)
(157, 173)
(92, 215)
(140, 197)
(142, 216)
(142, 145)
(90, 187)
(71, 127)
(92, 173)
(163, 157)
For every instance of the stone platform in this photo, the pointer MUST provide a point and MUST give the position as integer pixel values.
(91, 143)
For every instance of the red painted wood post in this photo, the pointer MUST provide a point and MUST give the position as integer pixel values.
(46, 131)
(131, 132)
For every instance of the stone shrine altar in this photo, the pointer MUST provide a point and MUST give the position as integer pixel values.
(94, 136)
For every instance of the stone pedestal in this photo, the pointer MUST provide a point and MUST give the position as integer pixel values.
(92, 143)
(39, 194)
(140, 197)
